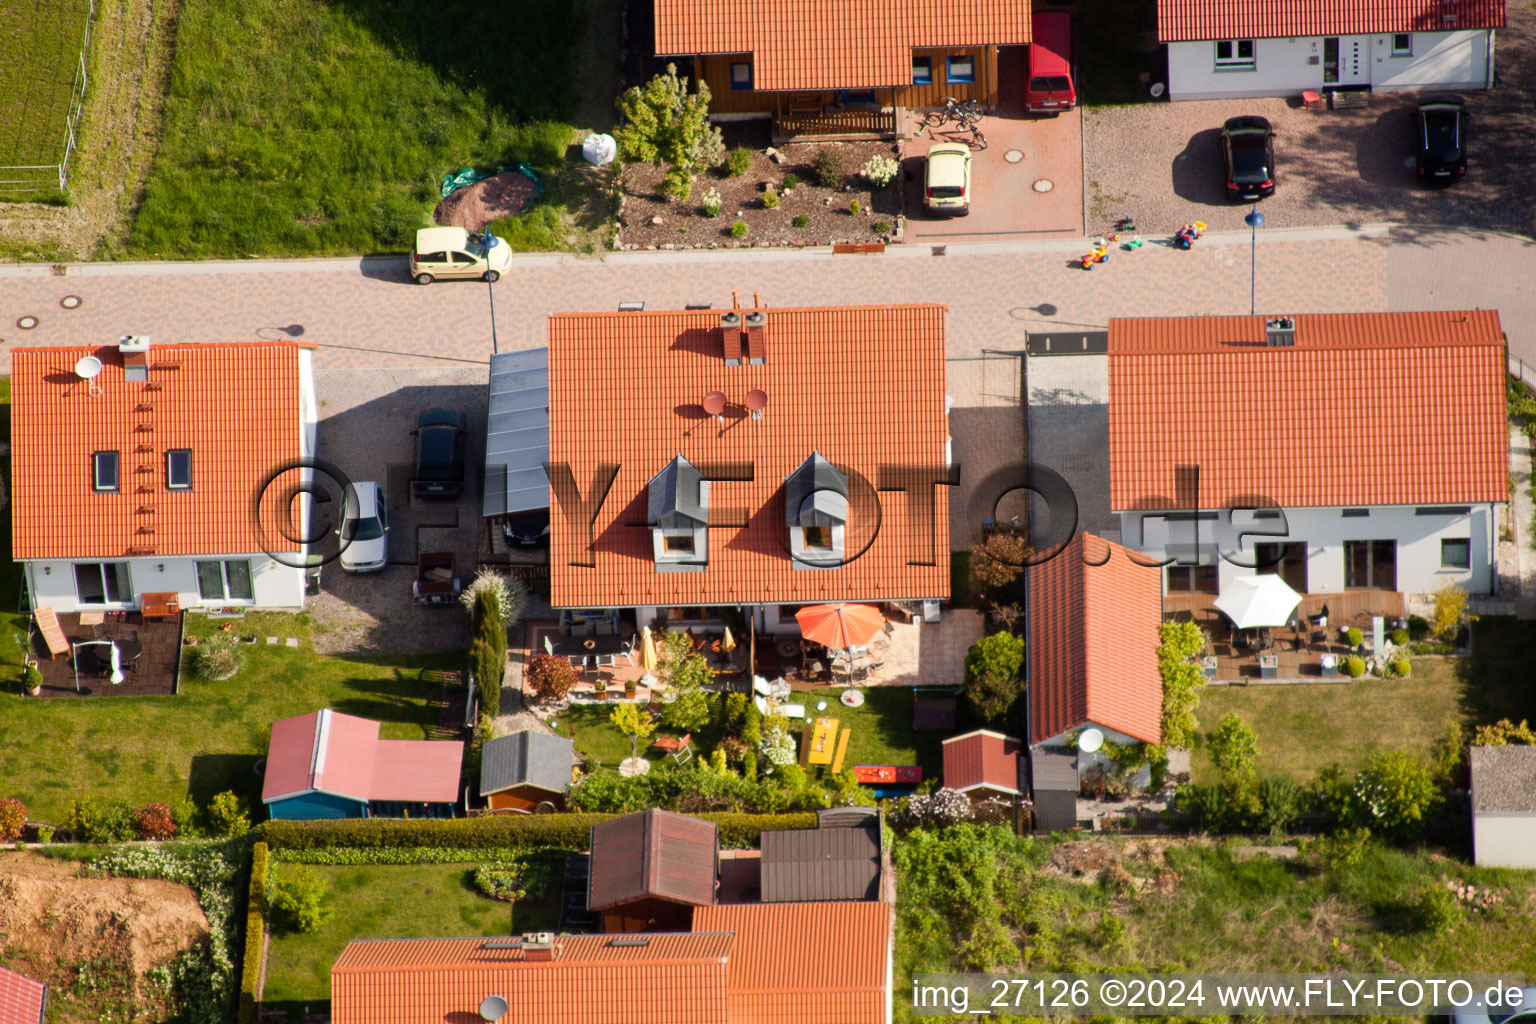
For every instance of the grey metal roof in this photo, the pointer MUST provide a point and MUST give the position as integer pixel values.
(517, 433)
(675, 497)
(821, 864)
(526, 758)
(1504, 780)
(816, 494)
(1053, 770)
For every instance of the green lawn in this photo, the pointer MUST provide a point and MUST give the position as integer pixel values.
(395, 902)
(301, 127)
(1303, 728)
(39, 55)
(209, 738)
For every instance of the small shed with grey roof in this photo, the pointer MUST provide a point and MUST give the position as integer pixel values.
(1504, 806)
(525, 770)
(833, 862)
(517, 434)
(1054, 777)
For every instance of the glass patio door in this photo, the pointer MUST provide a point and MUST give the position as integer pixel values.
(1370, 565)
(1331, 61)
(1288, 561)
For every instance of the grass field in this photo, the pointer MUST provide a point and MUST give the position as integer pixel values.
(1301, 729)
(300, 127)
(39, 56)
(395, 902)
(206, 740)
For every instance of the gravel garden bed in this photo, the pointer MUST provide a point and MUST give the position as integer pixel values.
(807, 214)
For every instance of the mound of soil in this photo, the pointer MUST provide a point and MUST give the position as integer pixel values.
(51, 919)
(1083, 860)
(472, 208)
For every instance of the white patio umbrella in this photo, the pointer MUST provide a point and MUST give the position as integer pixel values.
(1254, 602)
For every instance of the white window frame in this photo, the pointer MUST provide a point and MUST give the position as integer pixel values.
(1234, 62)
(98, 461)
(1403, 51)
(1452, 566)
(224, 591)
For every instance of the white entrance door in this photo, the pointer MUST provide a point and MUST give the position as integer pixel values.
(1346, 61)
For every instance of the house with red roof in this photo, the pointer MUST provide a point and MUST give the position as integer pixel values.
(22, 1000)
(752, 459)
(329, 765)
(1360, 453)
(1226, 48)
(984, 765)
(137, 469)
(814, 73)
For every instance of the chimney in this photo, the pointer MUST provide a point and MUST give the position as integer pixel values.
(134, 348)
(731, 334)
(539, 947)
(1280, 332)
(757, 337)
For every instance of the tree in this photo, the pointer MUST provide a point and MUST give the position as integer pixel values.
(992, 668)
(550, 678)
(664, 125)
(995, 566)
(488, 650)
(1183, 681)
(1233, 748)
(685, 673)
(226, 817)
(1394, 793)
(298, 894)
(635, 723)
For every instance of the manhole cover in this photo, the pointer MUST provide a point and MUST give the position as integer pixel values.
(1013, 156)
(1043, 185)
(26, 323)
(71, 301)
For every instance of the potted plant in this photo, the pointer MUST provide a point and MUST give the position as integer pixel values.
(32, 678)
(631, 687)
(601, 688)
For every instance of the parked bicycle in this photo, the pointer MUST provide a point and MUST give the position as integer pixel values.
(967, 114)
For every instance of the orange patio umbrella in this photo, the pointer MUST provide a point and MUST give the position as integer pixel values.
(840, 626)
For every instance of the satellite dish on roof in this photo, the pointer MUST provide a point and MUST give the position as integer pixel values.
(757, 399)
(714, 403)
(88, 367)
(493, 1008)
(1090, 740)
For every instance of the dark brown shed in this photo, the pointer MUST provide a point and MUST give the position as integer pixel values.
(652, 855)
(829, 863)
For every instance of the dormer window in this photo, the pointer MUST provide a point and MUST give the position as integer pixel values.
(816, 513)
(677, 506)
(178, 469)
(104, 475)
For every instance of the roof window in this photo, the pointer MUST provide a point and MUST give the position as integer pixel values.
(104, 476)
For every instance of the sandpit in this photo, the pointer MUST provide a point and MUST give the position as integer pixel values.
(51, 919)
(475, 206)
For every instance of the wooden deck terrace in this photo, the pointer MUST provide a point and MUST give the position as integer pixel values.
(153, 674)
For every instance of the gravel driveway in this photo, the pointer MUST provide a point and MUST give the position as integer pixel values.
(1161, 162)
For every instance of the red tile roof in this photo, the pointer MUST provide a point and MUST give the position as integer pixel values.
(810, 963)
(840, 44)
(1094, 617)
(342, 755)
(982, 760)
(672, 979)
(1192, 20)
(1364, 409)
(652, 854)
(864, 386)
(236, 406)
(21, 999)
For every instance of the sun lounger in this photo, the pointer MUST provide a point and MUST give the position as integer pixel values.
(53, 634)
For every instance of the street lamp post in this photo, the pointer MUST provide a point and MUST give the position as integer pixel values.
(1254, 219)
(487, 243)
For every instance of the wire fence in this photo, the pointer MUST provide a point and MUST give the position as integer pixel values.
(48, 177)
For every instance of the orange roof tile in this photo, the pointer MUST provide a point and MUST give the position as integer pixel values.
(1193, 20)
(22, 1000)
(1094, 617)
(236, 406)
(811, 963)
(982, 760)
(864, 386)
(1364, 409)
(673, 979)
(837, 44)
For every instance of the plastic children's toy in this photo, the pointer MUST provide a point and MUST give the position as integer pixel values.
(1187, 234)
(1098, 254)
(1134, 243)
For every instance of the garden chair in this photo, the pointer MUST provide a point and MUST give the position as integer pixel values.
(53, 634)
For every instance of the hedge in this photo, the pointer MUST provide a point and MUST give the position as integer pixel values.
(351, 855)
(255, 924)
(529, 831)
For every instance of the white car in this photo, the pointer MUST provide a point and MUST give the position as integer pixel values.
(947, 179)
(1480, 1013)
(364, 529)
(454, 252)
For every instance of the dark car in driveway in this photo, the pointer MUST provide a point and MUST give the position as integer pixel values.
(439, 462)
(1440, 139)
(1248, 154)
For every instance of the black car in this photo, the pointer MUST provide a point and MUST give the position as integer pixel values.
(1248, 151)
(526, 529)
(439, 470)
(1440, 139)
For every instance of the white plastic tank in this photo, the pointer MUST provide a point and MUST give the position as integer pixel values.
(599, 149)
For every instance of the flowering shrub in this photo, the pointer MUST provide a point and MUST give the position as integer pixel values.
(13, 818)
(347, 855)
(778, 746)
(944, 807)
(1474, 898)
(154, 821)
(509, 594)
(712, 202)
(524, 879)
(879, 170)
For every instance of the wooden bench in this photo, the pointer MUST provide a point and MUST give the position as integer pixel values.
(858, 247)
(160, 605)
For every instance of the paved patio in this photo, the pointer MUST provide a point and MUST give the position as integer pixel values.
(152, 674)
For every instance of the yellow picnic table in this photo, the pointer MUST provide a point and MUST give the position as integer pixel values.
(823, 741)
